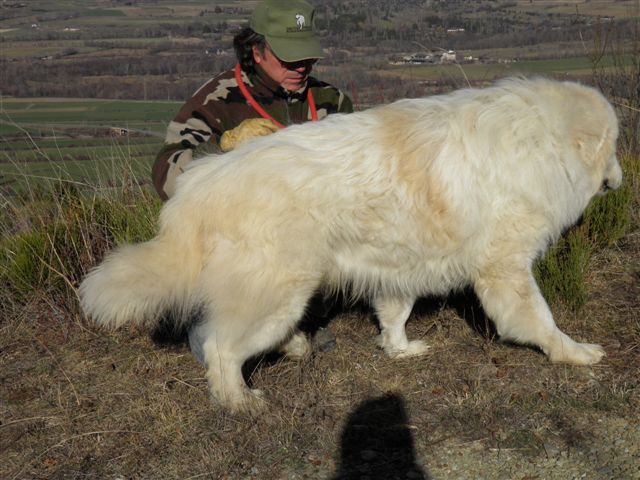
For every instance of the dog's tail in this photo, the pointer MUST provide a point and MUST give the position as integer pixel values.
(138, 283)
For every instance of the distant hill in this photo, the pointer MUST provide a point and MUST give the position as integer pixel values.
(165, 49)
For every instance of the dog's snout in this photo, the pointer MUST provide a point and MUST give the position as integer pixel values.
(612, 177)
(610, 184)
(614, 183)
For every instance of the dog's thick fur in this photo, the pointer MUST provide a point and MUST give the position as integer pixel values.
(417, 197)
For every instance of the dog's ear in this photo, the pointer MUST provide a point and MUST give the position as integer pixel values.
(597, 152)
(591, 145)
(593, 126)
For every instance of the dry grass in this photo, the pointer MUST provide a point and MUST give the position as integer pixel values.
(77, 402)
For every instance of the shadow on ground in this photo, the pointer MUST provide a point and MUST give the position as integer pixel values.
(466, 304)
(377, 444)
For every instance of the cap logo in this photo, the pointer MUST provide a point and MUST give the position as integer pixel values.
(300, 21)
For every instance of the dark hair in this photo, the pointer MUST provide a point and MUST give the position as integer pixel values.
(243, 44)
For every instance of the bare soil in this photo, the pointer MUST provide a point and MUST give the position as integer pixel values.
(78, 402)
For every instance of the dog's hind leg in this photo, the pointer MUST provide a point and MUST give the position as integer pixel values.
(224, 372)
(512, 299)
(393, 315)
(239, 334)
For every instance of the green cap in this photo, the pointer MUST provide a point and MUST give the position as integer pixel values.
(287, 26)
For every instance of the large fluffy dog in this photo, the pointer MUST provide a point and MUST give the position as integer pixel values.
(416, 197)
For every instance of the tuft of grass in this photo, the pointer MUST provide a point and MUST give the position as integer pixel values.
(21, 267)
(560, 272)
(54, 231)
(608, 218)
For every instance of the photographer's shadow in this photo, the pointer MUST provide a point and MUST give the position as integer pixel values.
(377, 444)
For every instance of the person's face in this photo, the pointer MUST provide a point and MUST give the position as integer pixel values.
(291, 76)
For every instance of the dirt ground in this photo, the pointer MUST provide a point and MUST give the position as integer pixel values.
(77, 402)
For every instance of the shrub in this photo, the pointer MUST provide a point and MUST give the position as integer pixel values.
(22, 265)
(608, 218)
(52, 236)
(560, 272)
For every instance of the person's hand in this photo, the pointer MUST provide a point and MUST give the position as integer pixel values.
(249, 128)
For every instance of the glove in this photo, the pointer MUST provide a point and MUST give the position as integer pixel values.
(249, 128)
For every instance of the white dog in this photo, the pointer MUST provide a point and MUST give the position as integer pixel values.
(418, 197)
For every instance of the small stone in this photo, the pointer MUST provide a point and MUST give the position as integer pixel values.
(324, 340)
(605, 471)
(551, 450)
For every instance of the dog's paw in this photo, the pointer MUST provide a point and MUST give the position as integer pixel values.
(577, 353)
(415, 348)
(297, 348)
(250, 402)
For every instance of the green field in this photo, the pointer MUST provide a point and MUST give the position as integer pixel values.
(604, 8)
(82, 16)
(45, 113)
(489, 71)
(98, 170)
(74, 139)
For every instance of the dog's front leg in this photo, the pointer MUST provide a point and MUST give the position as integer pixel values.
(393, 314)
(512, 299)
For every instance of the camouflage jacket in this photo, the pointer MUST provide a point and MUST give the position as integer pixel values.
(219, 105)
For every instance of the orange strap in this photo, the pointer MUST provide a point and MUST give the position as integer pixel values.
(258, 108)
